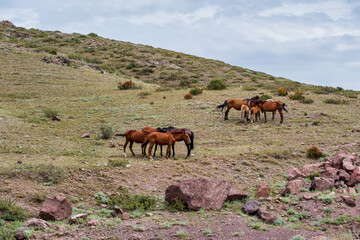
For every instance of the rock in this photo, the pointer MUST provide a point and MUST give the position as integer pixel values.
(111, 145)
(330, 172)
(7, 23)
(266, 216)
(344, 175)
(312, 168)
(199, 193)
(294, 186)
(348, 201)
(340, 184)
(336, 161)
(351, 190)
(294, 173)
(93, 222)
(76, 217)
(149, 214)
(57, 209)
(263, 190)
(251, 207)
(309, 196)
(348, 164)
(236, 194)
(125, 216)
(354, 177)
(20, 235)
(36, 222)
(60, 228)
(56, 118)
(322, 184)
(85, 135)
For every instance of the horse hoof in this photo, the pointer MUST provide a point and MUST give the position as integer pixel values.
(125, 155)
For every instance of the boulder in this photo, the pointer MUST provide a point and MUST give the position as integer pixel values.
(93, 222)
(312, 168)
(309, 196)
(294, 186)
(36, 222)
(348, 201)
(336, 161)
(56, 208)
(60, 228)
(199, 193)
(20, 235)
(354, 177)
(340, 184)
(251, 207)
(322, 184)
(125, 216)
(344, 175)
(294, 173)
(263, 190)
(330, 172)
(266, 216)
(348, 164)
(236, 194)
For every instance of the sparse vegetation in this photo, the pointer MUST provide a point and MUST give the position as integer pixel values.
(314, 153)
(195, 91)
(282, 92)
(188, 96)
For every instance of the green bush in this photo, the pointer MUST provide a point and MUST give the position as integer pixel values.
(216, 84)
(335, 101)
(50, 112)
(129, 202)
(106, 132)
(92, 35)
(10, 211)
(297, 96)
(126, 85)
(314, 153)
(53, 52)
(265, 97)
(306, 100)
(249, 88)
(195, 91)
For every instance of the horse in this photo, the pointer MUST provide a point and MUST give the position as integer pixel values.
(255, 113)
(136, 136)
(168, 138)
(171, 129)
(271, 106)
(245, 112)
(236, 104)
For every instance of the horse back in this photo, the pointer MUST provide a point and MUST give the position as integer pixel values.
(235, 103)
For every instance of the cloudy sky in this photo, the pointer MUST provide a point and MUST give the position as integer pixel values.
(308, 41)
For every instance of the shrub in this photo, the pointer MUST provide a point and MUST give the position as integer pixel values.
(53, 52)
(106, 132)
(249, 88)
(265, 97)
(50, 113)
(132, 202)
(125, 85)
(117, 163)
(10, 211)
(282, 92)
(334, 101)
(195, 91)
(188, 96)
(306, 100)
(92, 35)
(314, 153)
(216, 84)
(297, 96)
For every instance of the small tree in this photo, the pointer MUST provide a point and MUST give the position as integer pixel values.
(216, 84)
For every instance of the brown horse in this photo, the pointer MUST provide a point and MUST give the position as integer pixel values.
(168, 138)
(236, 104)
(136, 136)
(271, 106)
(255, 114)
(245, 113)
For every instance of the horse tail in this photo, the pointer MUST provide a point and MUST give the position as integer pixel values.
(192, 140)
(119, 135)
(146, 141)
(125, 133)
(283, 107)
(222, 105)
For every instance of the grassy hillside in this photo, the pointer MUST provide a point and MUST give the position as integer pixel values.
(41, 157)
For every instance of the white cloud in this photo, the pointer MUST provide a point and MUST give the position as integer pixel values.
(24, 17)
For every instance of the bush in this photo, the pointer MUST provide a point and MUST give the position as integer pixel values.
(129, 202)
(188, 96)
(265, 97)
(314, 153)
(195, 91)
(306, 100)
(50, 113)
(125, 85)
(249, 88)
(10, 211)
(282, 92)
(106, 132)
(334, 101)
(53, 52)
(297, 96)
(117, 163)
(216, 84)
(92, 35)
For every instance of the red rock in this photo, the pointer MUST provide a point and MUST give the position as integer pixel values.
(251, 207)
(111, 145)
(57, 209)
(36, 222)
(344, 175)
(60, 228)
(125, 216)
(263, 190)
(266, 216)
(351, 190)
(236, 194)
(349, 201)
(294, 173)
(322, 184)
(336, 161)
(330, 172)
(294, 186)
(199, 193)
(354, 177)
(56, 118)
(312, 168)
(85, 135)
(93, 222)
(309, 196)
(348, 164)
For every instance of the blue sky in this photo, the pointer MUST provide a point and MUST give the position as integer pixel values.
(311, 41)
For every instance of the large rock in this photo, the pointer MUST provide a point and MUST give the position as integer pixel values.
(354, 177)
(266, 216)
(330, 172)
(57, 209)
(340, 156)
(348, 164)
(263, 190)
(322, 184)
(199, 193)
(236, 194)
(251, 207)
(294, 173)
(344, 175)
(294, 186)
(312, 168)
(36, 222)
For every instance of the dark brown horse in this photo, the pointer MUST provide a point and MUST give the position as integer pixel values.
(172, 129)
(236, 104)
(168, 138)
(271, 106)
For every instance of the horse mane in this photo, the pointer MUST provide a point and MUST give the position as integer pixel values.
(161, 130)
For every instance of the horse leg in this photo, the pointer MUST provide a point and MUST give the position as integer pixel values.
(167, 152)
(189, 150)
(161, 150)
(155, 149)
(150, 148)
(126, 142)
(281, 115)
(226, 114)
(131, 144)
(265, 116)
(273, 115)
(173, 150)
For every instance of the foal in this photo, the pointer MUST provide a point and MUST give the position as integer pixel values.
(245, 113)
(255, 113)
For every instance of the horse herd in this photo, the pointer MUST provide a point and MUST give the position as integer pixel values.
(250, 111)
